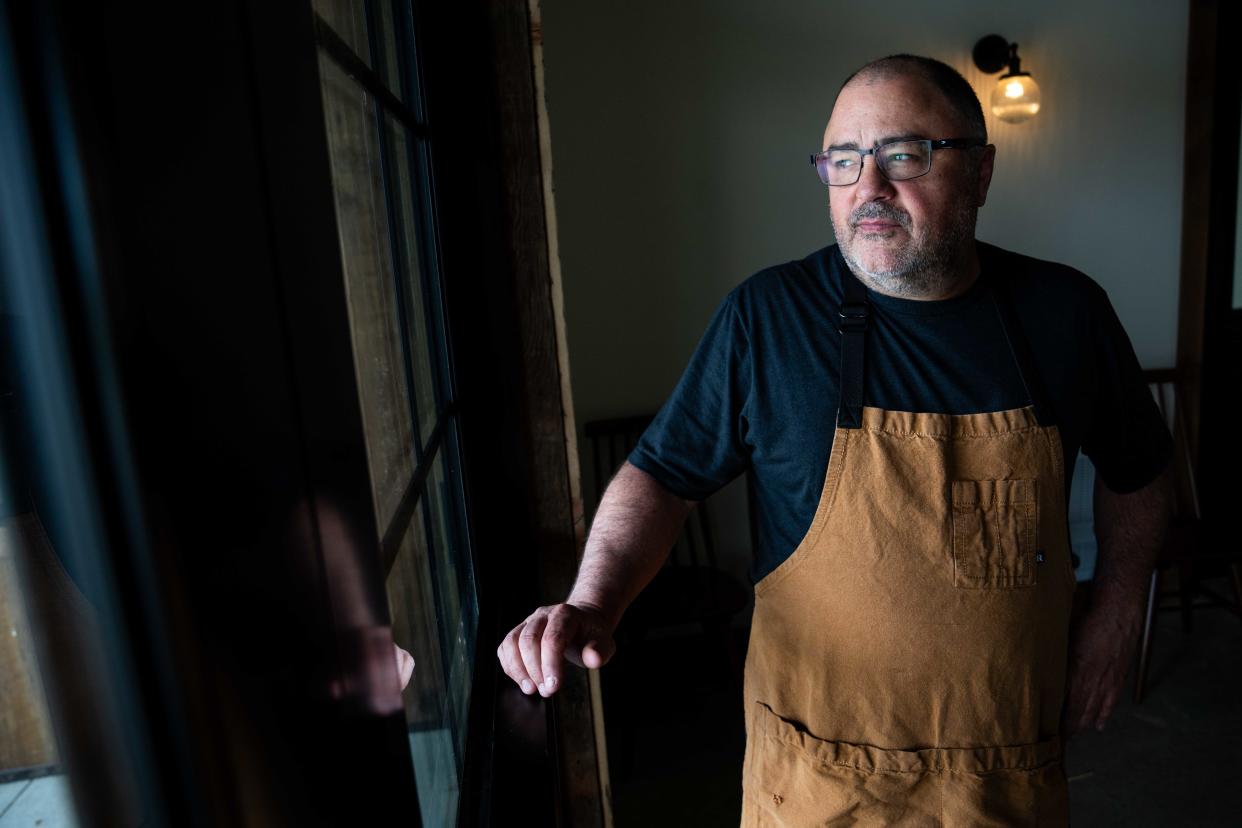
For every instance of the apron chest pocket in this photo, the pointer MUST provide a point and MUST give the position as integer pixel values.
(995, 529)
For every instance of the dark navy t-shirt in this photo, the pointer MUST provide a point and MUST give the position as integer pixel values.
(760, 393)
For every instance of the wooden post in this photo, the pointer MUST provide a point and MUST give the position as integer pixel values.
(555, 490)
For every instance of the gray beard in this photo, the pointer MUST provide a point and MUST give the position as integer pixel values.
(921, 271)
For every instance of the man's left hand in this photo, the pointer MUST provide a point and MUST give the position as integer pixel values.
(1101, 647)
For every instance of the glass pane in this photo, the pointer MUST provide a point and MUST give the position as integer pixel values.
(366, 254)
(415, 628)
(386, 36)
(434, 291)
(50, 661)
(416, 306)
(454, 575)
(348, 18)
(34, 788)
(26, 739)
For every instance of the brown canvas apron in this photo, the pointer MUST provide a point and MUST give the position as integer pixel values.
(907, 662)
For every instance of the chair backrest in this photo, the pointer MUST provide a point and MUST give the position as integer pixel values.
(611, 443)
(1168, 389)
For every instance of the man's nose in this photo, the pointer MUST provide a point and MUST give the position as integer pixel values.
(872, 184)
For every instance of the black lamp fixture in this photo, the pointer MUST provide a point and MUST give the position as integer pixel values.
(1015, 97)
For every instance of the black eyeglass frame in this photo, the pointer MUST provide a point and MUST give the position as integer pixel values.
(931, 143)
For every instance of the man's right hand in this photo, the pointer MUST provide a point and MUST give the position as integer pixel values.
(531, 654)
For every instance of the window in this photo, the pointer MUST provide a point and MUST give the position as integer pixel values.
(378, 140)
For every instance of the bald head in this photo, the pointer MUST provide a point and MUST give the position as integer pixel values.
(946, 80)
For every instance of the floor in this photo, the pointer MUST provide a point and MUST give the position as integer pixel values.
(1174, 760)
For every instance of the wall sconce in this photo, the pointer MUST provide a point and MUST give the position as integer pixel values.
(1016, 95)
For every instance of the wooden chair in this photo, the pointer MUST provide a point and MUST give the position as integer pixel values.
(1187, 548)
(690, 589)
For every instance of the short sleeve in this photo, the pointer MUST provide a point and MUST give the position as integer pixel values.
(1127, 439)
(696, 443)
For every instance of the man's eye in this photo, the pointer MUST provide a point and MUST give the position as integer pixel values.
(901, 157)
(843, 163)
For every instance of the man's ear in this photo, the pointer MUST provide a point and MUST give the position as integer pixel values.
(986, 159)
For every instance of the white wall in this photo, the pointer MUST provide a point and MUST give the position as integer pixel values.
(681, 133)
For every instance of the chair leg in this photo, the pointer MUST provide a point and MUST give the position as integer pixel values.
(1153, 600)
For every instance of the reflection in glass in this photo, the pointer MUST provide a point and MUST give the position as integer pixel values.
(348, 18)
(437, 766)
(366, 254)
(387, 62)
(416, 307)
(26, 739)
(454, 576)
(62, 686)
(44, 615)
(399, 340)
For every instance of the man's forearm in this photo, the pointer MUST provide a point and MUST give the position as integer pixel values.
(1130, 530)
(637, 522)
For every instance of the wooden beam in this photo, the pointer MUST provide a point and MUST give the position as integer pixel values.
(554, 489)
(1196, 206)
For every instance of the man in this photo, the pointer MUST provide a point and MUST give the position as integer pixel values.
(909, 401)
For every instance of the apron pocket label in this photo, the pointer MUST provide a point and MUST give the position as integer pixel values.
(995, 533)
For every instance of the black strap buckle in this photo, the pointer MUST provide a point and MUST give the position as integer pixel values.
(853, 317)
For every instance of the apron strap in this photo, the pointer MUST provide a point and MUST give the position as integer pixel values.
(853, 327)
(1020, 348)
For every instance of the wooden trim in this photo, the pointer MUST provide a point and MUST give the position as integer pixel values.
(553, 490)
(1196, 205)
(567, 403)
(554, 269)
(1206, 324)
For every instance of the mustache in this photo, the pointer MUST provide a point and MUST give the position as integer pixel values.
(877, 210)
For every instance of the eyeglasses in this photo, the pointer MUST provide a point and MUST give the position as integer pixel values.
(898, 161)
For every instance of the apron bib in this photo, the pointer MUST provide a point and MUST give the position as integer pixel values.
(907, 662)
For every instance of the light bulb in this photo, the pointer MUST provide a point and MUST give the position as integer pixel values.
(1015, 98)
